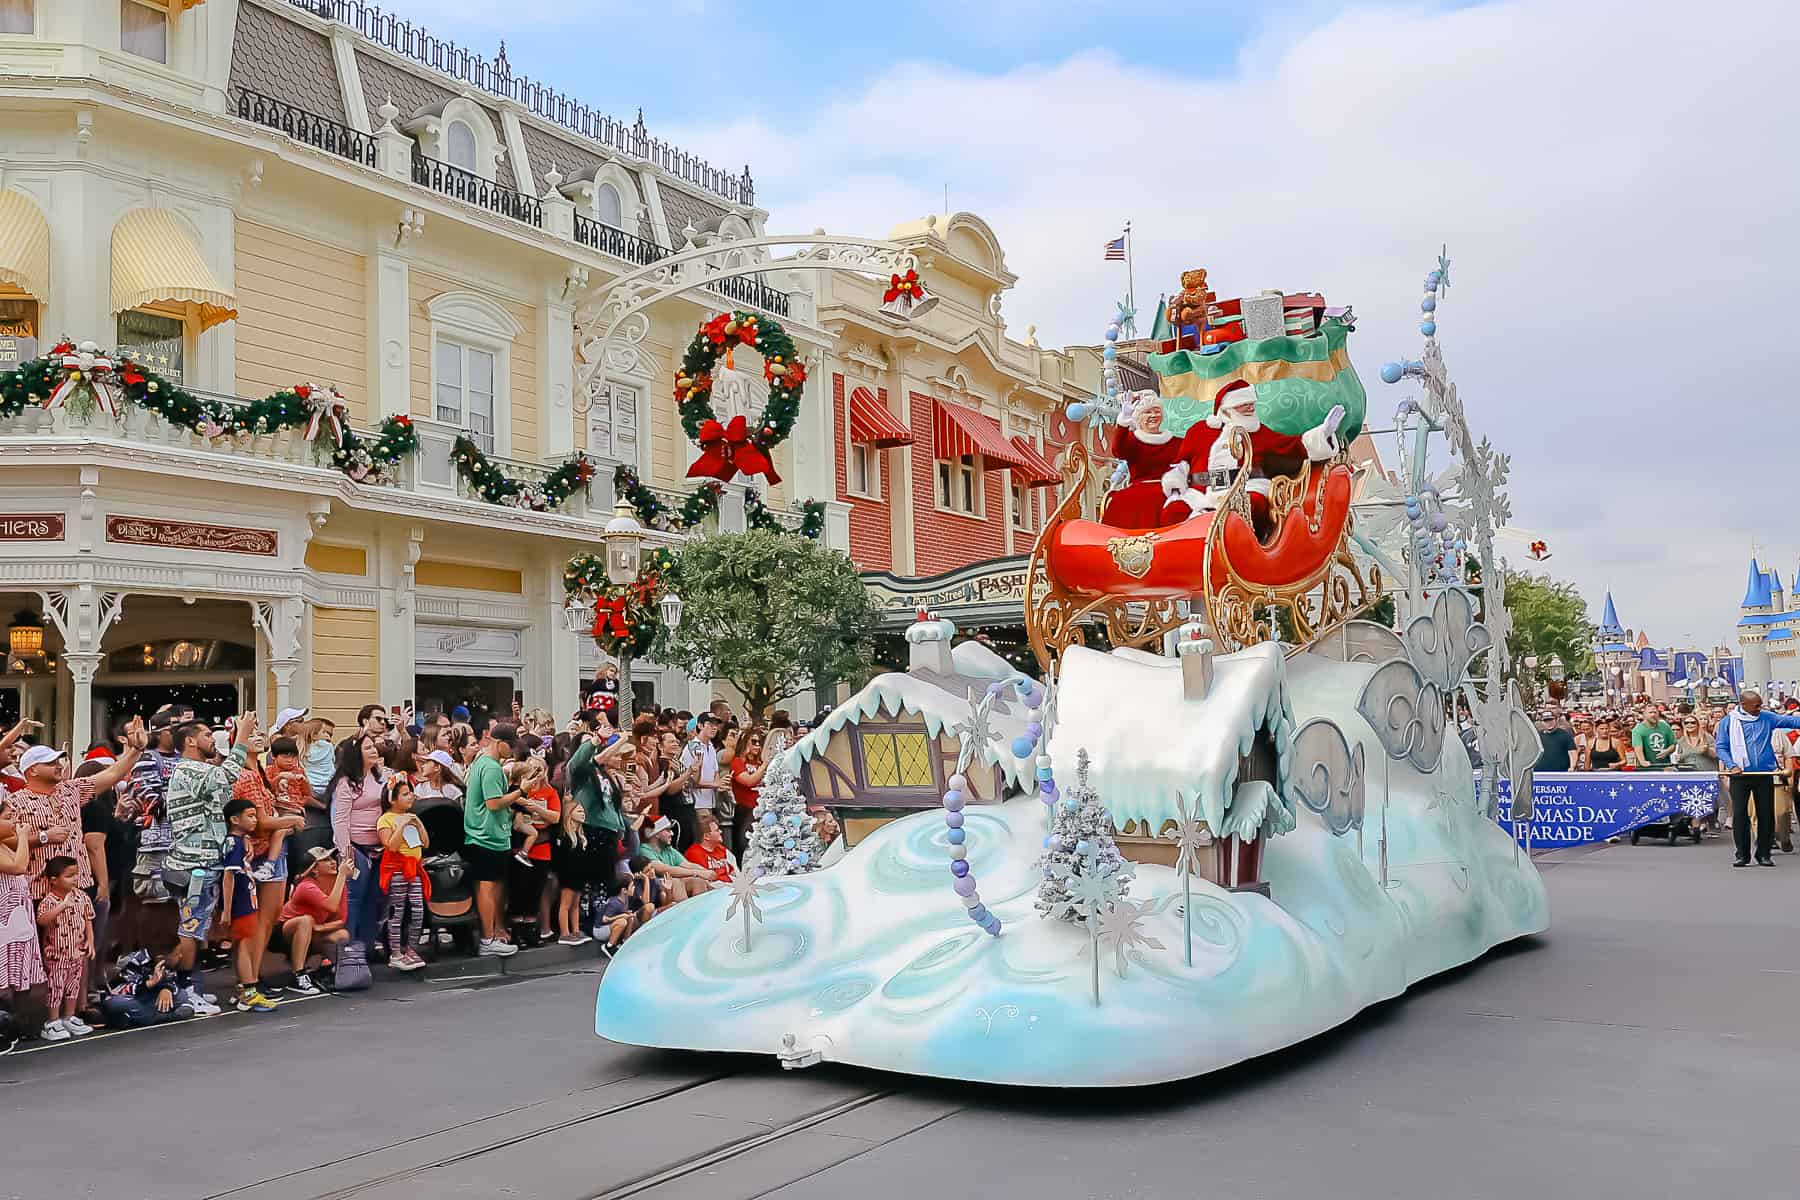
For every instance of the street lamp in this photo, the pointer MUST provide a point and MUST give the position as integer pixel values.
(671, 610)
(1558, 671)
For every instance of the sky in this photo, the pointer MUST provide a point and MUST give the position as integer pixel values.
(1615, 180)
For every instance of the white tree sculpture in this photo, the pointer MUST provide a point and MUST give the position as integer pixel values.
(783, 841)
(1080, 843)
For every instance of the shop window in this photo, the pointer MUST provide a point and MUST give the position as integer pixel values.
(865, 471)
(612, 424)
(608, 208)
(959, 485)
(1021, 505)
(466, 379)
(18, 331)
(144, 29)
(896, 760)
(459, 146)
(154, 339)
(16, 16)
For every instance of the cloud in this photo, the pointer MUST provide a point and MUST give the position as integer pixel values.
(1614, 180)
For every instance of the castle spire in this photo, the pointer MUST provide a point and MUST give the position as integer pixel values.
(1609, 620)
(1756, 591)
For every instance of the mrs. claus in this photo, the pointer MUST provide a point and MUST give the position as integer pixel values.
(1156, 474)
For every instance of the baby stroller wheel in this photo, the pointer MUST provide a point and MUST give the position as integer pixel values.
(1635, 835)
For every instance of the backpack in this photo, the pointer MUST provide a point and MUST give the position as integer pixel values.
(352, 970)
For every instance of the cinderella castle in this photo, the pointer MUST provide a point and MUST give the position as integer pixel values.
(1628, 666)
(1766, 633)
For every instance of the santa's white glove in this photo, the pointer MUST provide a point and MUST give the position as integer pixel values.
(1175, 480)
(1121, 474)
(1322, 443)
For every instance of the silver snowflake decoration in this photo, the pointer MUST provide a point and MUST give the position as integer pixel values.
(1444, 268)
(978, 730)
(1122, 927)
(1484, 477)
(1049, 719)
(745, 889)
(1191, 837)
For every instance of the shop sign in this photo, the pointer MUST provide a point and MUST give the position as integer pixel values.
(997, 583)
(467, 644)
(18, 333)
(191, 535)
(31, 527)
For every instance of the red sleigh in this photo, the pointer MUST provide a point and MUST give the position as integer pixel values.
(1085, 571)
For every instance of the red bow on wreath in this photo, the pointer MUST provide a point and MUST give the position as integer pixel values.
(726, 450)
(902, 285)
(609, 618)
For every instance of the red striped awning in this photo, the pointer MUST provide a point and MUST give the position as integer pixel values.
(1038, 471)
(871, 424)
(958, 431)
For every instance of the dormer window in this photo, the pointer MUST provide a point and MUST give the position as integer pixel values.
(609, 209)
(16, 16)
(459, 145)
(143, 29)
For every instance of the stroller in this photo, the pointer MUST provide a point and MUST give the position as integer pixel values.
(452, 904)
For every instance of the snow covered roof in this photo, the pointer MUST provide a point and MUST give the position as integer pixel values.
(942, 700)
(1150, 748)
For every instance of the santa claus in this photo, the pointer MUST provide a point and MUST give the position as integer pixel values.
(1213, 465)
(1153, 464)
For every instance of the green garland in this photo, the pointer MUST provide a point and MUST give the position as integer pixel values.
(758, 516)
(33, 382)
(700, 504)
(495, 486)
(781, 367)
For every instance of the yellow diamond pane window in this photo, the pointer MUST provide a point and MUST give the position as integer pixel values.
(880, 768)
(913, 753)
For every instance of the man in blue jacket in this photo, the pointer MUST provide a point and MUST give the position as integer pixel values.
(1743, 743)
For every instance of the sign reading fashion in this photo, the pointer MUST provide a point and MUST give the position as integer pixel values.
(999, 582)
(31, 527)
(1576, 808)
(191, 535)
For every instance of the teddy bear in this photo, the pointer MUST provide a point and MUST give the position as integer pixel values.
(1193, 304)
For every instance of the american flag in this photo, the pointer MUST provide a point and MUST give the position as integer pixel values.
(1115, 249)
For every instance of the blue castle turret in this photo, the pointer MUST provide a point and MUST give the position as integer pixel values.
(1766, 629)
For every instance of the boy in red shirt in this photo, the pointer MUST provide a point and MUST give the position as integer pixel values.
(710, 851)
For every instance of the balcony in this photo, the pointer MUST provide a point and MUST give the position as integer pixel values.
(471, 188)
(305, 127)
(432, 470)
(596, 235)
(751, 291)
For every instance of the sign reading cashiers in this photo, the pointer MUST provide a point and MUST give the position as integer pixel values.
(31, 527)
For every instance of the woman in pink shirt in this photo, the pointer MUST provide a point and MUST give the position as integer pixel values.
(355, 793)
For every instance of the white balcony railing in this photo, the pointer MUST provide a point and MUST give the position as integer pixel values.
(434, 471)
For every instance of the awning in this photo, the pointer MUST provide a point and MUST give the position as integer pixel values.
(958, 431)
(1038, 471)
(155, 259)
(871, 424)
(24, 245)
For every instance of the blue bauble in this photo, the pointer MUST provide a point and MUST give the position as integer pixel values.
(953, 801)
(1109, 354)
(978, 914)
(953, 819)
(1428, 328)
(1034, 731)
(1049, 843)
(802, 858)
(787, 844)
(1078, 411)
(1023, 746)
(1083, 846)
(1112, 333)
(1392, 372)
(959, 868)
(768, 818)
(1434, 280)
(1428, 304)
(956, 837)
(1069, 804)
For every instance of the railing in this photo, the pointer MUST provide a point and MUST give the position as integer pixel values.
(748, 289)
(597, 235)
(497, 78)
(471, 188)
(307, 127)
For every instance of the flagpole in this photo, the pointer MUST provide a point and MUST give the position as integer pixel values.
(1130, 271)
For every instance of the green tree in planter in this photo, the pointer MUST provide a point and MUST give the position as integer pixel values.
(1549, 619)
(768, 612)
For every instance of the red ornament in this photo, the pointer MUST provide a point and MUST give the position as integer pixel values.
(902, 285)
(304, 392)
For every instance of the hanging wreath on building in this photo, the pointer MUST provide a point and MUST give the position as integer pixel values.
(494, 485)
(84, 380)
(625, 615)
(728, 449)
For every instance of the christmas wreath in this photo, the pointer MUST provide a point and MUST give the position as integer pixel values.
(733, 448)
(82, 379)
(625, 616)
(495, 486)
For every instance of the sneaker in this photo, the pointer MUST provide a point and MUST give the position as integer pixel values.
(54, 1032)
(1765, 862)
(522, 858)
(495, 948)
(77, 1026)
(608, 949)
(272, 990)
(574, 939)
(406, 960)
(1740, 862)
(202, 1005)
(304, 986)
(251, 1000)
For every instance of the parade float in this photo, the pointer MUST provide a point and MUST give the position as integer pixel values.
(1228, 812)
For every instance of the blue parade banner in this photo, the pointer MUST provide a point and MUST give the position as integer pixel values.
(1576, 808)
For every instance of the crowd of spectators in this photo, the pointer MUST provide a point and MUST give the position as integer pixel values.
(297, 855)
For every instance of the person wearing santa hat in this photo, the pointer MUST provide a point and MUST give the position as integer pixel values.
(1155, 472)
(1209, 455)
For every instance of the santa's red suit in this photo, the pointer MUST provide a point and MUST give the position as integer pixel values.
(1148, 457)
(1213, 467)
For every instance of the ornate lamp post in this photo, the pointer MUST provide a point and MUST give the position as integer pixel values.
(1558, 673)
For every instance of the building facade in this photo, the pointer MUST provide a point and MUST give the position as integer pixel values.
(248, 195)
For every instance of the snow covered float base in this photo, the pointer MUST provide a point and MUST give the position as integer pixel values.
(872, 960)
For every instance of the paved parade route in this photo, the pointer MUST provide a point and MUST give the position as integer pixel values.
(1640, 1048)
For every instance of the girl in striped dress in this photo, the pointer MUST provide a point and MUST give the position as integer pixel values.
(21, 966)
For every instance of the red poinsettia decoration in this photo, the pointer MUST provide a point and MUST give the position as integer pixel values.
(747, 331)
(714, 330)
(728, 450)
(903, 285)
(685, 386)
(129, 374)
(403, 419)
(304, 391)
(63, 347)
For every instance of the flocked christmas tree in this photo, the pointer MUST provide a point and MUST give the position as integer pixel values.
(782, 842)
(1080, 842)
